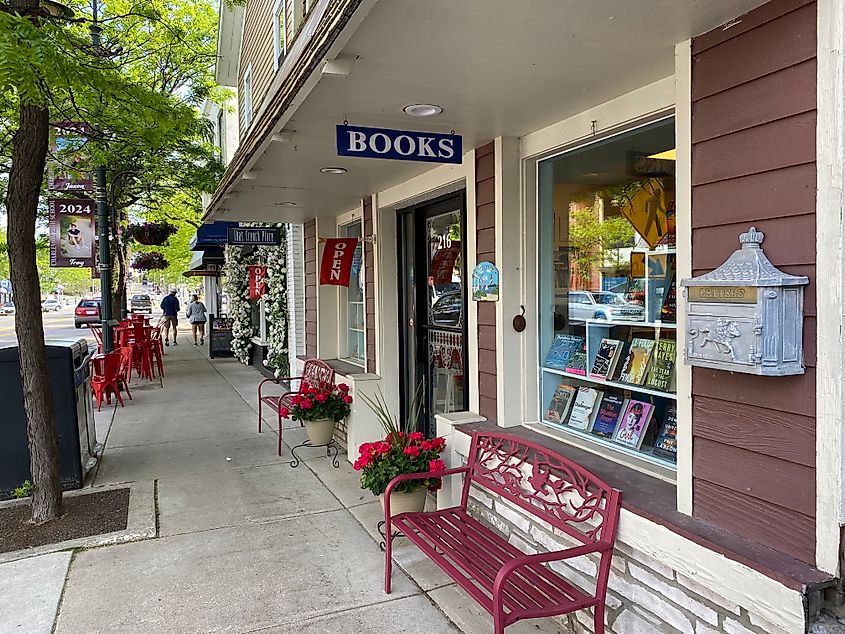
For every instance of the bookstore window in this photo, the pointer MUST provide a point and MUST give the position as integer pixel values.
(607, 293)
(355, 347)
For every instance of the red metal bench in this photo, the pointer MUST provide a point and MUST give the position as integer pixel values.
(315, 372)
(507, 583)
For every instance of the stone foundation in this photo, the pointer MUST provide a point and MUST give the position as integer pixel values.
(644, 595)
(340, 433)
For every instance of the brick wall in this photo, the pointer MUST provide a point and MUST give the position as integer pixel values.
(485, 224)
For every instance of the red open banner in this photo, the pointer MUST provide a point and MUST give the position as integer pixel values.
(336, 264)
(257, 285)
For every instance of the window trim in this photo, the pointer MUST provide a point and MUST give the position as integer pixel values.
(280, 43)
(221, 134)
(247, 100)
(347, 220)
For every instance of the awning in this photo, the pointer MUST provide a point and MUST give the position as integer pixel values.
(213, 235)
(205, 263)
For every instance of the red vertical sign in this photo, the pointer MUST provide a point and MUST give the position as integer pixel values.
(336, 264)
(257, 285)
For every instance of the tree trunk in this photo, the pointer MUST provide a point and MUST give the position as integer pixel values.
(120, 265)
(29, 155)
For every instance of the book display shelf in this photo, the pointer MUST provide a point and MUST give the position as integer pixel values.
(612, 381)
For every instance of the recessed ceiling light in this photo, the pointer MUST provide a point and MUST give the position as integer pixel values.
(333, 170)
(422, 110)
(286, 203)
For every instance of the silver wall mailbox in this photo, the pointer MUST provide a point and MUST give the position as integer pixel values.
(746, 316)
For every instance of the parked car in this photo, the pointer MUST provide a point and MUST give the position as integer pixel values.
(585, 305)
(448, 310)
(51, 303)
(87, 312)
(141, 304)
(7, 309)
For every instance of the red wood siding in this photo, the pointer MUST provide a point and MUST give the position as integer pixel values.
(310, 257)
(485, 224)
(370, 286)
(753, 132)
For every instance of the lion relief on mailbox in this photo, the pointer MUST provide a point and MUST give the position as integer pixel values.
(746, 316)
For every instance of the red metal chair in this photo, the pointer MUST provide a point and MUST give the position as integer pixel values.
(105, 377)
(98, 335)
(124, 374)
(157, 351)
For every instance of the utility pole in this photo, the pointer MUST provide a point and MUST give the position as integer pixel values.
(103, 224)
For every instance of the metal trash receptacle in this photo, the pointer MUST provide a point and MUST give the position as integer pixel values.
(68, 362)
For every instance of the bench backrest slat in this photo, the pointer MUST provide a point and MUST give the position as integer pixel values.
(544, 483)
(317, 373)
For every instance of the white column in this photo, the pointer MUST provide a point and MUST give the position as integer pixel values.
(683, 262)
(509, 228)
(830, 161)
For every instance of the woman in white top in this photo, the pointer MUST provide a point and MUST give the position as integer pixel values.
(196, 315)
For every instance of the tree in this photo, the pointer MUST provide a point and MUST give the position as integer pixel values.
(48, 71)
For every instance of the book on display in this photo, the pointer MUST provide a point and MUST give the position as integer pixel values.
(607, 416)
(559, 404)
(607, 358)
(563, 347)
(584, 408)
(633, 424)
(662, 366)
(636, 363)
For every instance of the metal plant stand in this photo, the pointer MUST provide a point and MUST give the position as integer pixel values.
(329, 446)
(380, 528)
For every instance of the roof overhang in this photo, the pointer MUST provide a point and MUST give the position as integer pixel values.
(230, 21)
(497, 69)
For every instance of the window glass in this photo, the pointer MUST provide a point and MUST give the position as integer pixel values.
(356, 348)
(248, 97)
(607, 293)
(279, 32)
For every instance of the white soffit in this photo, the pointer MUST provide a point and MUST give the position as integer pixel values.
(229, 34)
(497, 67)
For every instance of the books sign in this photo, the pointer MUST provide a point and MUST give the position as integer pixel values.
(255, 236)
(336, 264)
(71, 223)
(399, 145)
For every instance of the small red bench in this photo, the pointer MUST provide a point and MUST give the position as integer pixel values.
(315, 372)
(507, 583)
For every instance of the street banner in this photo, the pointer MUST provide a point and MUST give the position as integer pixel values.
(336, 263)
(399, 145)
(257, 283)
(71, 222)
(67, 168)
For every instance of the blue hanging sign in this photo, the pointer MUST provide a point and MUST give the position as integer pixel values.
(399, 145)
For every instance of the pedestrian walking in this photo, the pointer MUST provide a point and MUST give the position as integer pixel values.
(197, 315)
(170, 308)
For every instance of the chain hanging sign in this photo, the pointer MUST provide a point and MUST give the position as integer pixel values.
(399, 145)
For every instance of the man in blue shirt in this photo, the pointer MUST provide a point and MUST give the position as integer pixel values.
(170, 307)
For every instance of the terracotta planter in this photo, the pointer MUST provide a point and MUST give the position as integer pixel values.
(413, 502)
(320, 432)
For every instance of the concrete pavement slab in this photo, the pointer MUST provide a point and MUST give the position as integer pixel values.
(229, 580)
(30, 590)
(473, 619)
(406, 556)
(344, 482)
(411, 615)
(181, 458)
(240, 496)
(164, 429)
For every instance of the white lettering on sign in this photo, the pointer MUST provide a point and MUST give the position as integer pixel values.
(410, 144)
(447, 148)
(357, 141)
(337, 262)
(385, 146)
(425, 146)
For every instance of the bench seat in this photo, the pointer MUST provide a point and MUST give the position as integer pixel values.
(472, 555)
(278, 401)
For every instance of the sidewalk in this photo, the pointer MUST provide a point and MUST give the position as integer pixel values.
(244, 542)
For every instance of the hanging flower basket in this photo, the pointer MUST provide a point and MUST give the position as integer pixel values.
(151, 233)
(149, 261)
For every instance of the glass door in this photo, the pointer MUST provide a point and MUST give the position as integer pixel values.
(432, 284)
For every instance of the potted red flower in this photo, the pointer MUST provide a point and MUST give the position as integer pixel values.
(320, 409)
(402, 451)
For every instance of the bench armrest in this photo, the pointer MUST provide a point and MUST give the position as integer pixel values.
(277, 380)
(542, 558)
(415, 476)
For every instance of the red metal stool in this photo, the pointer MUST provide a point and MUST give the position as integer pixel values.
(104, 378)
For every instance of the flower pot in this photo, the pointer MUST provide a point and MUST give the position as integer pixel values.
(413, 502)
(320, 432)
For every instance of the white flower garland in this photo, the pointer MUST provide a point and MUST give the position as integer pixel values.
(237, 279)
(276, 300)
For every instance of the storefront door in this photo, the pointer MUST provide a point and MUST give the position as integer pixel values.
(432, 277)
